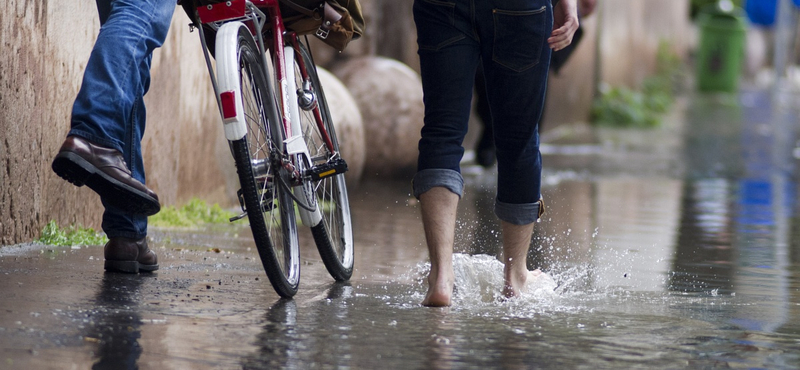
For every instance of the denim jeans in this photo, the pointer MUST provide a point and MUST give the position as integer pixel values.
(109, 109)
(510, 38)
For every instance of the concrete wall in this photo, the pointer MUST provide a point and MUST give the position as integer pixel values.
(619, 47)
(46, 44)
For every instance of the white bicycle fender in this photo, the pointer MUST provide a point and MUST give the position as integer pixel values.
(230, 89)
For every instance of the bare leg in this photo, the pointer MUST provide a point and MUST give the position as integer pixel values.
(516, 241)
(439, 207)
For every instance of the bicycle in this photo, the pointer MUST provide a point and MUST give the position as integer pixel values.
(284, 145)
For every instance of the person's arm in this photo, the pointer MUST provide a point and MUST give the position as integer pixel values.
(565, 23)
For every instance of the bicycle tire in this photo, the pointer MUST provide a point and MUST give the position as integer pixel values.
(269, 206)
(333, 235)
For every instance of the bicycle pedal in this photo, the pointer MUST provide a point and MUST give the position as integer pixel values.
(328, 169)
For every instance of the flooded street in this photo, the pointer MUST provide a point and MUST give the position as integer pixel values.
(671, 248)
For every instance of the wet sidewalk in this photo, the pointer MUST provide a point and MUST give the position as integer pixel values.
(677, 247)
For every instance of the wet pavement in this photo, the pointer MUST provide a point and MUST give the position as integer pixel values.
(672, 248)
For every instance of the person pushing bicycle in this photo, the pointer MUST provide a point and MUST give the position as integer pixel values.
(103, 147)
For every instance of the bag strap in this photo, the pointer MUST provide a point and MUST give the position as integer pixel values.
(314, 13)
(329, 16)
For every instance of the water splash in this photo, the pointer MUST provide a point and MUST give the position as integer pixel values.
(565, 288)
(479, 278)
(479, 281)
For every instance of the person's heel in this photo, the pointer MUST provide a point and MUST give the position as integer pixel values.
(68, 167)
(130, 267)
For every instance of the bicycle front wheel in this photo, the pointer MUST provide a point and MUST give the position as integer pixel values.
(266, 200)
(334, 233)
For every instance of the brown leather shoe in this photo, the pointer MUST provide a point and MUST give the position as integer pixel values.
(104, 171)
(130, 255)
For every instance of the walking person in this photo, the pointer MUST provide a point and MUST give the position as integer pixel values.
(103, 147)
(513, 40)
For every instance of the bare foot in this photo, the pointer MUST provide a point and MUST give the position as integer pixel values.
(439, 292)
(518, 284)
(532, 275)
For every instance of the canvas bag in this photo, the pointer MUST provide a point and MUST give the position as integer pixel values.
(335, 22)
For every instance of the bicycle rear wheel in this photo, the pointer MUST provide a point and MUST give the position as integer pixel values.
(268, 204)
(334, 233)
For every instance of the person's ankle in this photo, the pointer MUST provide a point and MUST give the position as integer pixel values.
(440, 288)
(514, 282)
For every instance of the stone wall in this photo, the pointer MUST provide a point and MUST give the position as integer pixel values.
(46, 44)
(40, 69)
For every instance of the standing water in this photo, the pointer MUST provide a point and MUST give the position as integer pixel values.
(673, 248)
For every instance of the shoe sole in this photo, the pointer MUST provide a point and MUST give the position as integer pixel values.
(130, 267)
(78, 171)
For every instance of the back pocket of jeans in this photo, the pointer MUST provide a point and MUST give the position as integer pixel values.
(435, 21)
(519, 36)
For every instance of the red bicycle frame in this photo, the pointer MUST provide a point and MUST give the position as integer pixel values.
(238, 10)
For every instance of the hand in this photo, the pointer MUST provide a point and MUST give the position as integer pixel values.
(565, 23)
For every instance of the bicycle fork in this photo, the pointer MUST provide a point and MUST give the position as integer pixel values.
(295, 144)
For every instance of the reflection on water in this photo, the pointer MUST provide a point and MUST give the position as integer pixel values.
(704, 251)
(697, 266)
(116, 322)
(650, 271)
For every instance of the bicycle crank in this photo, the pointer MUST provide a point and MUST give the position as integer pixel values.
(327, 169)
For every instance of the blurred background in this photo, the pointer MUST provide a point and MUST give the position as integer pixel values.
(634, 61)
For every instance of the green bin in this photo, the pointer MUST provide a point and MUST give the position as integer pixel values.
(721, 54)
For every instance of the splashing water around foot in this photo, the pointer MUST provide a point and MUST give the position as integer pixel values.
(479, 282)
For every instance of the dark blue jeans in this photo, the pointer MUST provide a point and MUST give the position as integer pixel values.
(510, 38)
(109, 109)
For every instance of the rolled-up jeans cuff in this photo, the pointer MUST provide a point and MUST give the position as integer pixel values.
(437, 177)
(518, 214)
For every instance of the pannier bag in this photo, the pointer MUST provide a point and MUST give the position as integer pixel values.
(335, 22)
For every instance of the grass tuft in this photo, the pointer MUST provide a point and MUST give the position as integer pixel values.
(643, 107)
(70, 235)
(194, 214)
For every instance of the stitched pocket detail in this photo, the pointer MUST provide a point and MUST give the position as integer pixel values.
(519, 37)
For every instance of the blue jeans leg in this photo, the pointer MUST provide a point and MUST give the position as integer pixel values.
(510, 39)
(449, 56)
(109, 109)
(516, 62)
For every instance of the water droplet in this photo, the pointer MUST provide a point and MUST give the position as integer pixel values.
(442, 340)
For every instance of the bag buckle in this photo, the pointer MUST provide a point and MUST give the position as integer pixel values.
(329, 18)
(322, 33)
